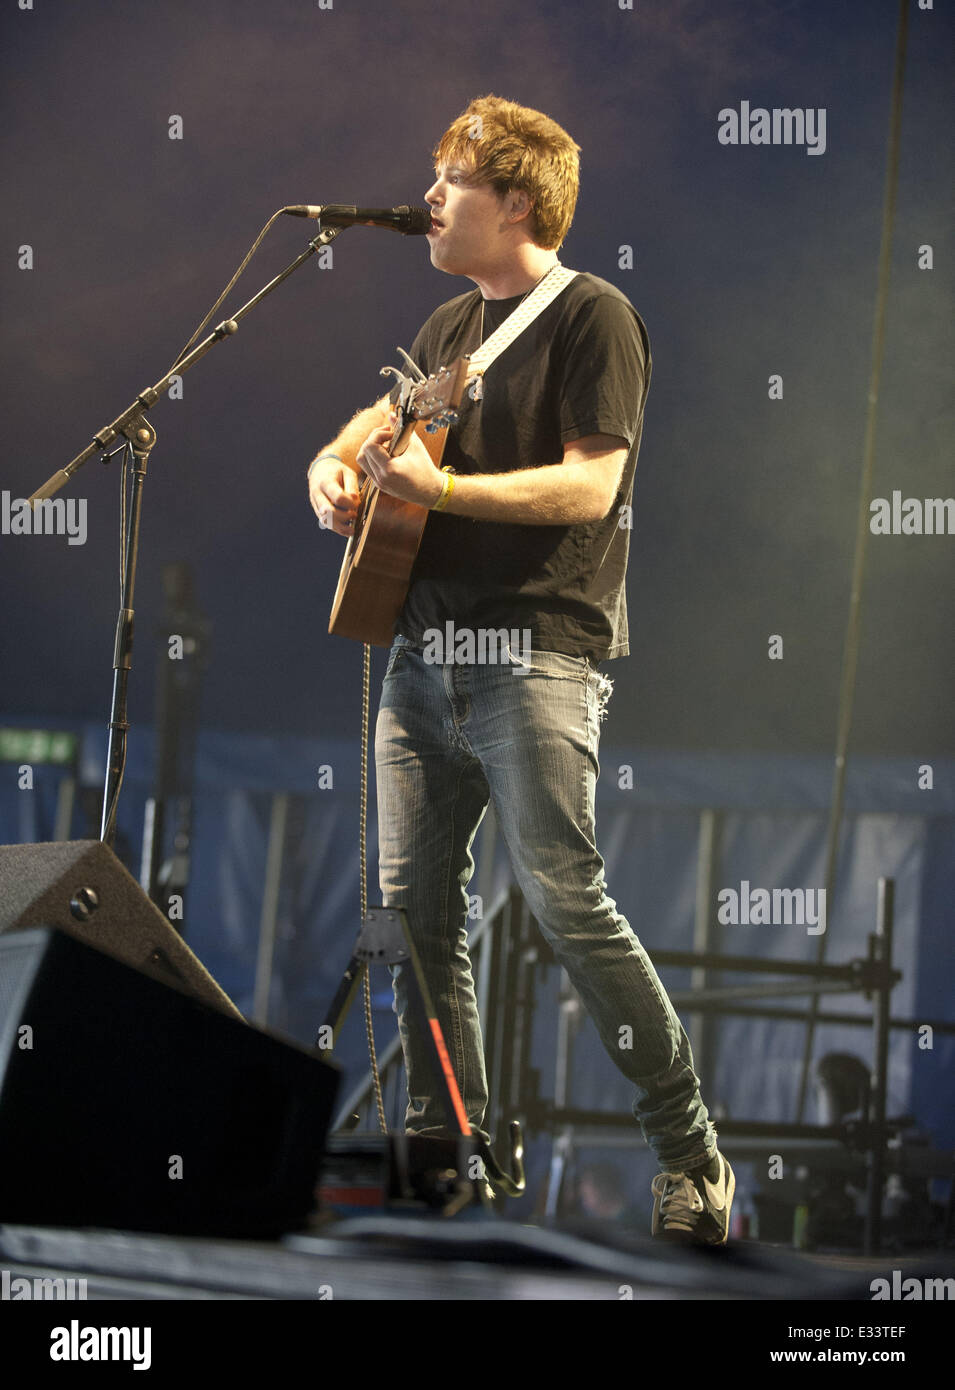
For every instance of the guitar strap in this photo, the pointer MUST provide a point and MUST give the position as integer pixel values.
(553, 284)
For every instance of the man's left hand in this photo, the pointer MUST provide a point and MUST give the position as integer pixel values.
(413, 476)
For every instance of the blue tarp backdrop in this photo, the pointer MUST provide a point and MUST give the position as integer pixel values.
(774, 818)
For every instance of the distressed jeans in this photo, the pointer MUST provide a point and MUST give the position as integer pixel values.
(448, 739)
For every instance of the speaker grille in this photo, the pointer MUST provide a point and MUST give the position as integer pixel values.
(38, 884)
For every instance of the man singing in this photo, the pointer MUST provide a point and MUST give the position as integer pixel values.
(528, 534)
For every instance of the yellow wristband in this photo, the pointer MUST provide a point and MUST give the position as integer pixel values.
(446, 490)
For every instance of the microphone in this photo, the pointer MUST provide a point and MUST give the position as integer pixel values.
(408, 221)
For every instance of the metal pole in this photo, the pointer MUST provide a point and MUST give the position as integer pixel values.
(701, 1025)
(882, 952)
(65, 797)
(850, 656)
(270, 900)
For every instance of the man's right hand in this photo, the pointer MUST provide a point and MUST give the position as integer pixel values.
(333, 493)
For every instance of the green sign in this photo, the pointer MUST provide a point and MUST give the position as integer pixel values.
(37, 746)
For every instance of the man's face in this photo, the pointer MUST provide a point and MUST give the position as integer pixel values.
(470, 232)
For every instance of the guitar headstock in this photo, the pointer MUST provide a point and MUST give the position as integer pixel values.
(435, 399)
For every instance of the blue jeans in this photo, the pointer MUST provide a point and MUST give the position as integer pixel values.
(450, 737)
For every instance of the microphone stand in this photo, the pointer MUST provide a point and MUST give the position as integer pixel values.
(141, 436)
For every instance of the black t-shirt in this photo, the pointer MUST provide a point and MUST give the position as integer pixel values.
(582, 367)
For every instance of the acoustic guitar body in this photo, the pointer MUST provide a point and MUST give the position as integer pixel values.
(380, 555)
(376, 569)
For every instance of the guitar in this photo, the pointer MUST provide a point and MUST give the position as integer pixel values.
(381, 551)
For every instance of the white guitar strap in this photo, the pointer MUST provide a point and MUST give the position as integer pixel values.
(553, 284)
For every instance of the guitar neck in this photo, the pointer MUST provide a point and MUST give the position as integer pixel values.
(434, 442)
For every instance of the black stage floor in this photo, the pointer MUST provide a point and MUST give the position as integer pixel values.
(468, 1257)
(170, 1305)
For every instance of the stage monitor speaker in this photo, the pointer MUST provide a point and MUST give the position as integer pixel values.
(82, 888)
(129, 1105)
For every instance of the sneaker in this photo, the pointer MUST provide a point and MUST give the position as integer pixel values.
(692, 1210)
